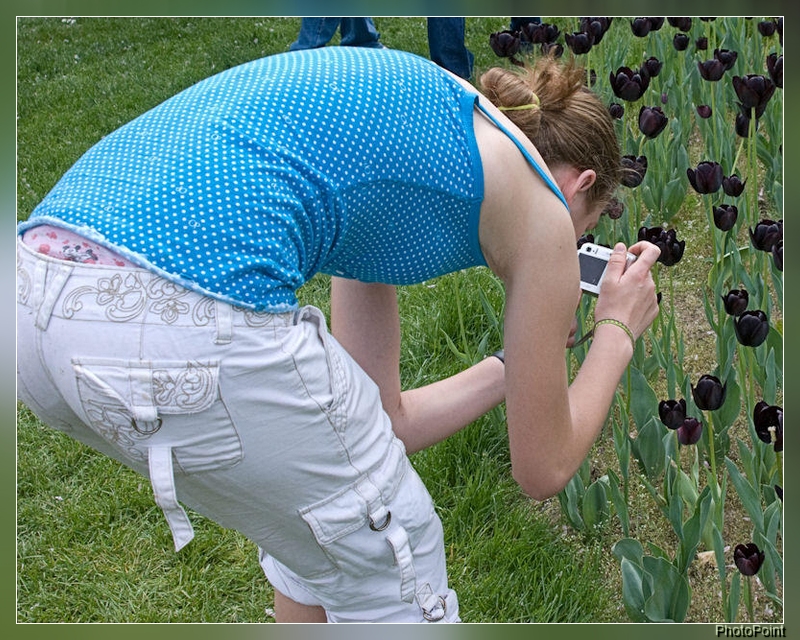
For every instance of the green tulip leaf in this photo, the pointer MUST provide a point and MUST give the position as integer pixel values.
(595, 504)
(644, 402)
(747, 494)
(630, 549)
(649, 448)
(669, 601)
(632, 596)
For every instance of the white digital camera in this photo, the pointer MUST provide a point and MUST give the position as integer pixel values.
(593, 260)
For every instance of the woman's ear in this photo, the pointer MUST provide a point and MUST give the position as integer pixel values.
(585, 180)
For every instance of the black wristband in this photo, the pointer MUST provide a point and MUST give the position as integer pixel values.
(500, 355)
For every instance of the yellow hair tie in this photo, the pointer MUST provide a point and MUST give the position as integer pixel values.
(523, 107)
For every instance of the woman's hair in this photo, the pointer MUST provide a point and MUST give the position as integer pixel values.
(565, 120)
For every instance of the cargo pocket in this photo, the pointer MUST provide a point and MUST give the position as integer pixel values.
(364, 531)
(160, 416)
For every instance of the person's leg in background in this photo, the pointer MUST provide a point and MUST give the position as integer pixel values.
(315, 33)
(360, 32)
(447, 46)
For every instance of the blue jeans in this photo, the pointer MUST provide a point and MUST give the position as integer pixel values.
(447, 48)
(317, 32)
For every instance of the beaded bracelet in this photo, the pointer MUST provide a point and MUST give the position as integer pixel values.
(619, 324)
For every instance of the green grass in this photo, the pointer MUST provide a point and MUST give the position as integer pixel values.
(92, 545)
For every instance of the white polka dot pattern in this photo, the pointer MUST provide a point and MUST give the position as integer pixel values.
(349, 161)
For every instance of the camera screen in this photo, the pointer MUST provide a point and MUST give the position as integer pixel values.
(591, 268)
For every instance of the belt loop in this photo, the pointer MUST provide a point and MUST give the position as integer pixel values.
(223, 313)
(163, 481)
(47, 288)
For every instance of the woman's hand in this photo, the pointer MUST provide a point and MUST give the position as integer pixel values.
(629, 295)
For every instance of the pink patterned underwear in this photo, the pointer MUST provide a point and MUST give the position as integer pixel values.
(67, 245)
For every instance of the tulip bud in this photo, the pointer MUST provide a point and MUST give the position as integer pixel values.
(767, 28)
(505, 43)
(709, 394)
(775, 69)
(768, 424)
(736, 301)
(733, 185)
(704, 111)
(672, 412)
(751, 328)
(690, 431)
(629, 85)
(748, 558)
(653, 66)
(707, 178)
(616, 110)
(701, 44)
(766, 234)
(641, 27)
(711, 70)
(680, 23)
(680, 41)
(725, 216)
(726, 57)
(579, 42)
(614, 209)
(652, 121)
(743, 125)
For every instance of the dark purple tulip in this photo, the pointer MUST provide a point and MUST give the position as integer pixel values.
(779, 492)
(633, 170)
(666, 240)
(775, 69)
(754, 92)
(597, 26)
(614, 209)
(768, 424)
(709, 394)
(768, 419)
(704, 111)
(653, 66)
(652, 121)
(629, 85)
(733, 185)
(726, 57)
(701, 44)
(579, 42)
(690, 431)
(725, 216)
(711, 70)
(656, 22)
(707, 178)
(751, 328)
(539, 32)
(736, 301)
(708, 18)
(748, 558)
(767, 28)
(680, 41)
(505, 43)
(681, 23)
(780, 30)
(766, 234)
(616, 110)
(672, 412)
(641, 27)
(777, 255)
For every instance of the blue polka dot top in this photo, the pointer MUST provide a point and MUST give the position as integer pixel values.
(350, 161)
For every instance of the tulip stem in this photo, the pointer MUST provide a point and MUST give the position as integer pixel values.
(748, 596)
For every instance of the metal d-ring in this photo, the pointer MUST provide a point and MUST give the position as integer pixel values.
(382, 525)
(146, 432)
